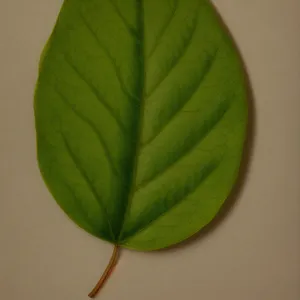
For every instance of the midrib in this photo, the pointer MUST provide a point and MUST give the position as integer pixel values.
(141, 75)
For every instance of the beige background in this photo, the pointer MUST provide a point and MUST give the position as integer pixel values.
(253, 255)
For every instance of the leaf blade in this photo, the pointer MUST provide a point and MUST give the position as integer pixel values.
(174, 100)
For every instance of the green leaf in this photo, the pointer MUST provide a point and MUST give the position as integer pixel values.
(141, 115)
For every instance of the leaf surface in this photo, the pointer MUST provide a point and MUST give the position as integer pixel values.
(141, 114)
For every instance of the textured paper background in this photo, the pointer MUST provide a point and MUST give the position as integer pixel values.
(254, 253)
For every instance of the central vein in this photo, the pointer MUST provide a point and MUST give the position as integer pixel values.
(140, 88)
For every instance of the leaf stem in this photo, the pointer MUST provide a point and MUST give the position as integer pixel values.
(107, 272)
